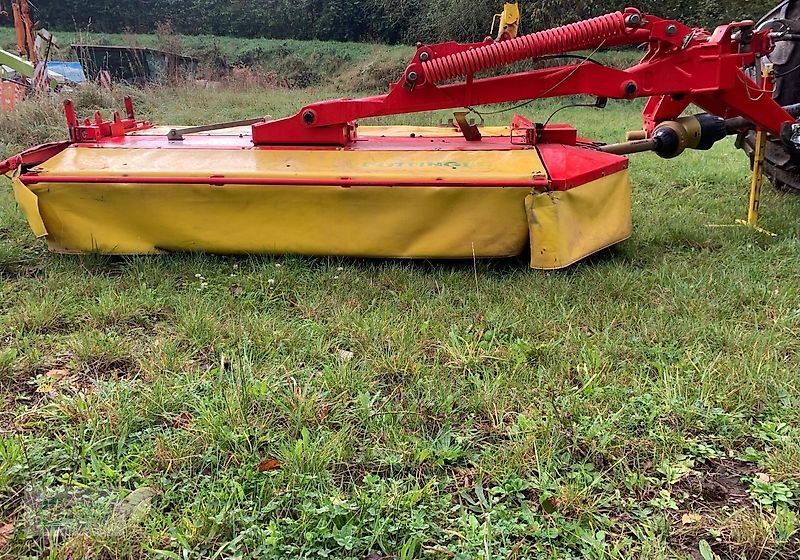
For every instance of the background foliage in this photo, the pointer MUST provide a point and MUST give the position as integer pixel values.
(382, 20)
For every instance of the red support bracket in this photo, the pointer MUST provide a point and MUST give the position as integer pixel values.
(32, 157)
(89, 131)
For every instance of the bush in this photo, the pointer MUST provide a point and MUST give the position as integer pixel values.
(345, 20)
(35, 120)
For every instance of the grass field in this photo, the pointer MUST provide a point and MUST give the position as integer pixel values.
(642, 404)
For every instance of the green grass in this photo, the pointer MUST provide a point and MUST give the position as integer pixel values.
(296, 407)
(354, 67)
(235, 48)
(298, 63)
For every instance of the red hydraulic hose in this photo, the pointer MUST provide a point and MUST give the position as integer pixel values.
(586, 34)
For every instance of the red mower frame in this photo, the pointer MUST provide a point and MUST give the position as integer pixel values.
(682, 66)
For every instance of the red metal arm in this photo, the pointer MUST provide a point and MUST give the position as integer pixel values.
(682, 66)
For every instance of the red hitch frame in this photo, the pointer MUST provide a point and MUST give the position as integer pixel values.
(682, 66)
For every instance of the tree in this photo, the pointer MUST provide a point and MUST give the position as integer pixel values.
(385, 20)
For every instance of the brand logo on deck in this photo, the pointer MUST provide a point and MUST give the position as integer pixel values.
(400, 164)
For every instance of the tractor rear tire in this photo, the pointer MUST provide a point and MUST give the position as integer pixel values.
(781, 167)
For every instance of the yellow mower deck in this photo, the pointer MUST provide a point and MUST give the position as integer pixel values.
(421, 192)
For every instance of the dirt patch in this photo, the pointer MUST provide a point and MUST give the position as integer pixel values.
(718, 509)
(56, 324)
(714, 491)
(32, 385)
(716, 483)
(19, 270)
(7, 414)
(146, 319)
(103, 368)
(21, 387)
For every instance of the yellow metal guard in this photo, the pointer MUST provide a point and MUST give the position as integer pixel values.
(756, 182)
(566, 226)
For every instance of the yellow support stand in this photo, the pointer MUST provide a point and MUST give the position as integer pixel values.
(756, 181)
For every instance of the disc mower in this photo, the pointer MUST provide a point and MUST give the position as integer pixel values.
(315, 183)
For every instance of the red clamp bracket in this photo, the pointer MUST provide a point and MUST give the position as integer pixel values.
(89, 131)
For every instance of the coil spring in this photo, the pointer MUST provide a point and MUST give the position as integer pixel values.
(584, 34)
